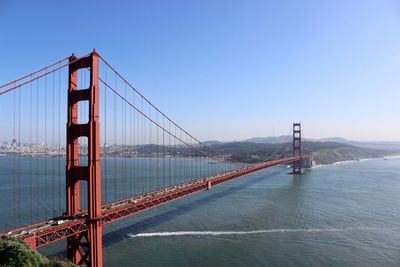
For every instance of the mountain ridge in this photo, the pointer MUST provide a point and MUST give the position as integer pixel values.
(384, 145)
(324, 150)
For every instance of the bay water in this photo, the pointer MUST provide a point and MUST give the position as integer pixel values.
(345, 214)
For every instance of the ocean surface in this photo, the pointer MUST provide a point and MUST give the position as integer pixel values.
(345, 214)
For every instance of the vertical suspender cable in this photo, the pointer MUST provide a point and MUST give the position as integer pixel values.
(45, 145)
(125, 143)
(123, 146)
(59, 141)
(163, 152)
(169, 155)
(105, 139)
(19, 156)
(136, 144)
(144, 171)
(52, 147)
(115, 141)
(137, 161)
(149, 154)
(30, 154)
(175, 158)
(14, 163)
(157, 150)
(37, 147)
(130, 153)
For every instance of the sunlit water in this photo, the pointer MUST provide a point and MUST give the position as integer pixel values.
(336, 215)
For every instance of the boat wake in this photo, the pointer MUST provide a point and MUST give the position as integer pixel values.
(221, 233)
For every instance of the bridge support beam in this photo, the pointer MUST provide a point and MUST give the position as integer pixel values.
(84, 248)
(297, 165)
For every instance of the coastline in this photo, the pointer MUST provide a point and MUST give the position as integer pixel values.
(354, 160)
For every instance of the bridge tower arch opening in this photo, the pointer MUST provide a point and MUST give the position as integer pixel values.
(297, 165)
(85, 247)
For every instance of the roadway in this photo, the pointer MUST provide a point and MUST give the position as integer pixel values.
(46, 232)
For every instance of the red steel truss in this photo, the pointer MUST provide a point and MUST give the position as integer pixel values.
(84, 229)
(47, 232)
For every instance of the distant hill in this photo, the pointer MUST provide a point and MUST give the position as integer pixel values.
(284, 139)
(212, 142)
(323, 152)
(387, 146)
(251, 152)
(333, 139)
(270, 139)
(380, 145)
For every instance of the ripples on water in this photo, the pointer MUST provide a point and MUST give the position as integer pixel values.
(336, 215)
(217, 233)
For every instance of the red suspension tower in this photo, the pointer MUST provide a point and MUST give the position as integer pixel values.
(85, 248)
(297, 165)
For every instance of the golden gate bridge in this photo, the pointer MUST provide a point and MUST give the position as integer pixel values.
(112, 155)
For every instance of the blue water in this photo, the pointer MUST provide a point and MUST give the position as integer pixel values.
(33, 188)
(336, 215)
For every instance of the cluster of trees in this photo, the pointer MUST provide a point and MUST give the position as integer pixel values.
(16, 253)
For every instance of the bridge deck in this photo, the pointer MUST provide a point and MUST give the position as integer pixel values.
(53, 230)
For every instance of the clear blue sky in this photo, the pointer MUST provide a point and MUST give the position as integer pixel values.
(231, 70)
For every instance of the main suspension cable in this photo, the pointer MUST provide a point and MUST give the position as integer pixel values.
(152, 105)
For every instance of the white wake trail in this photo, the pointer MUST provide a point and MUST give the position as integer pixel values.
(219, 233)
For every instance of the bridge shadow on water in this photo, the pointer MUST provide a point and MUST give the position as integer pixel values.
(113, 237)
